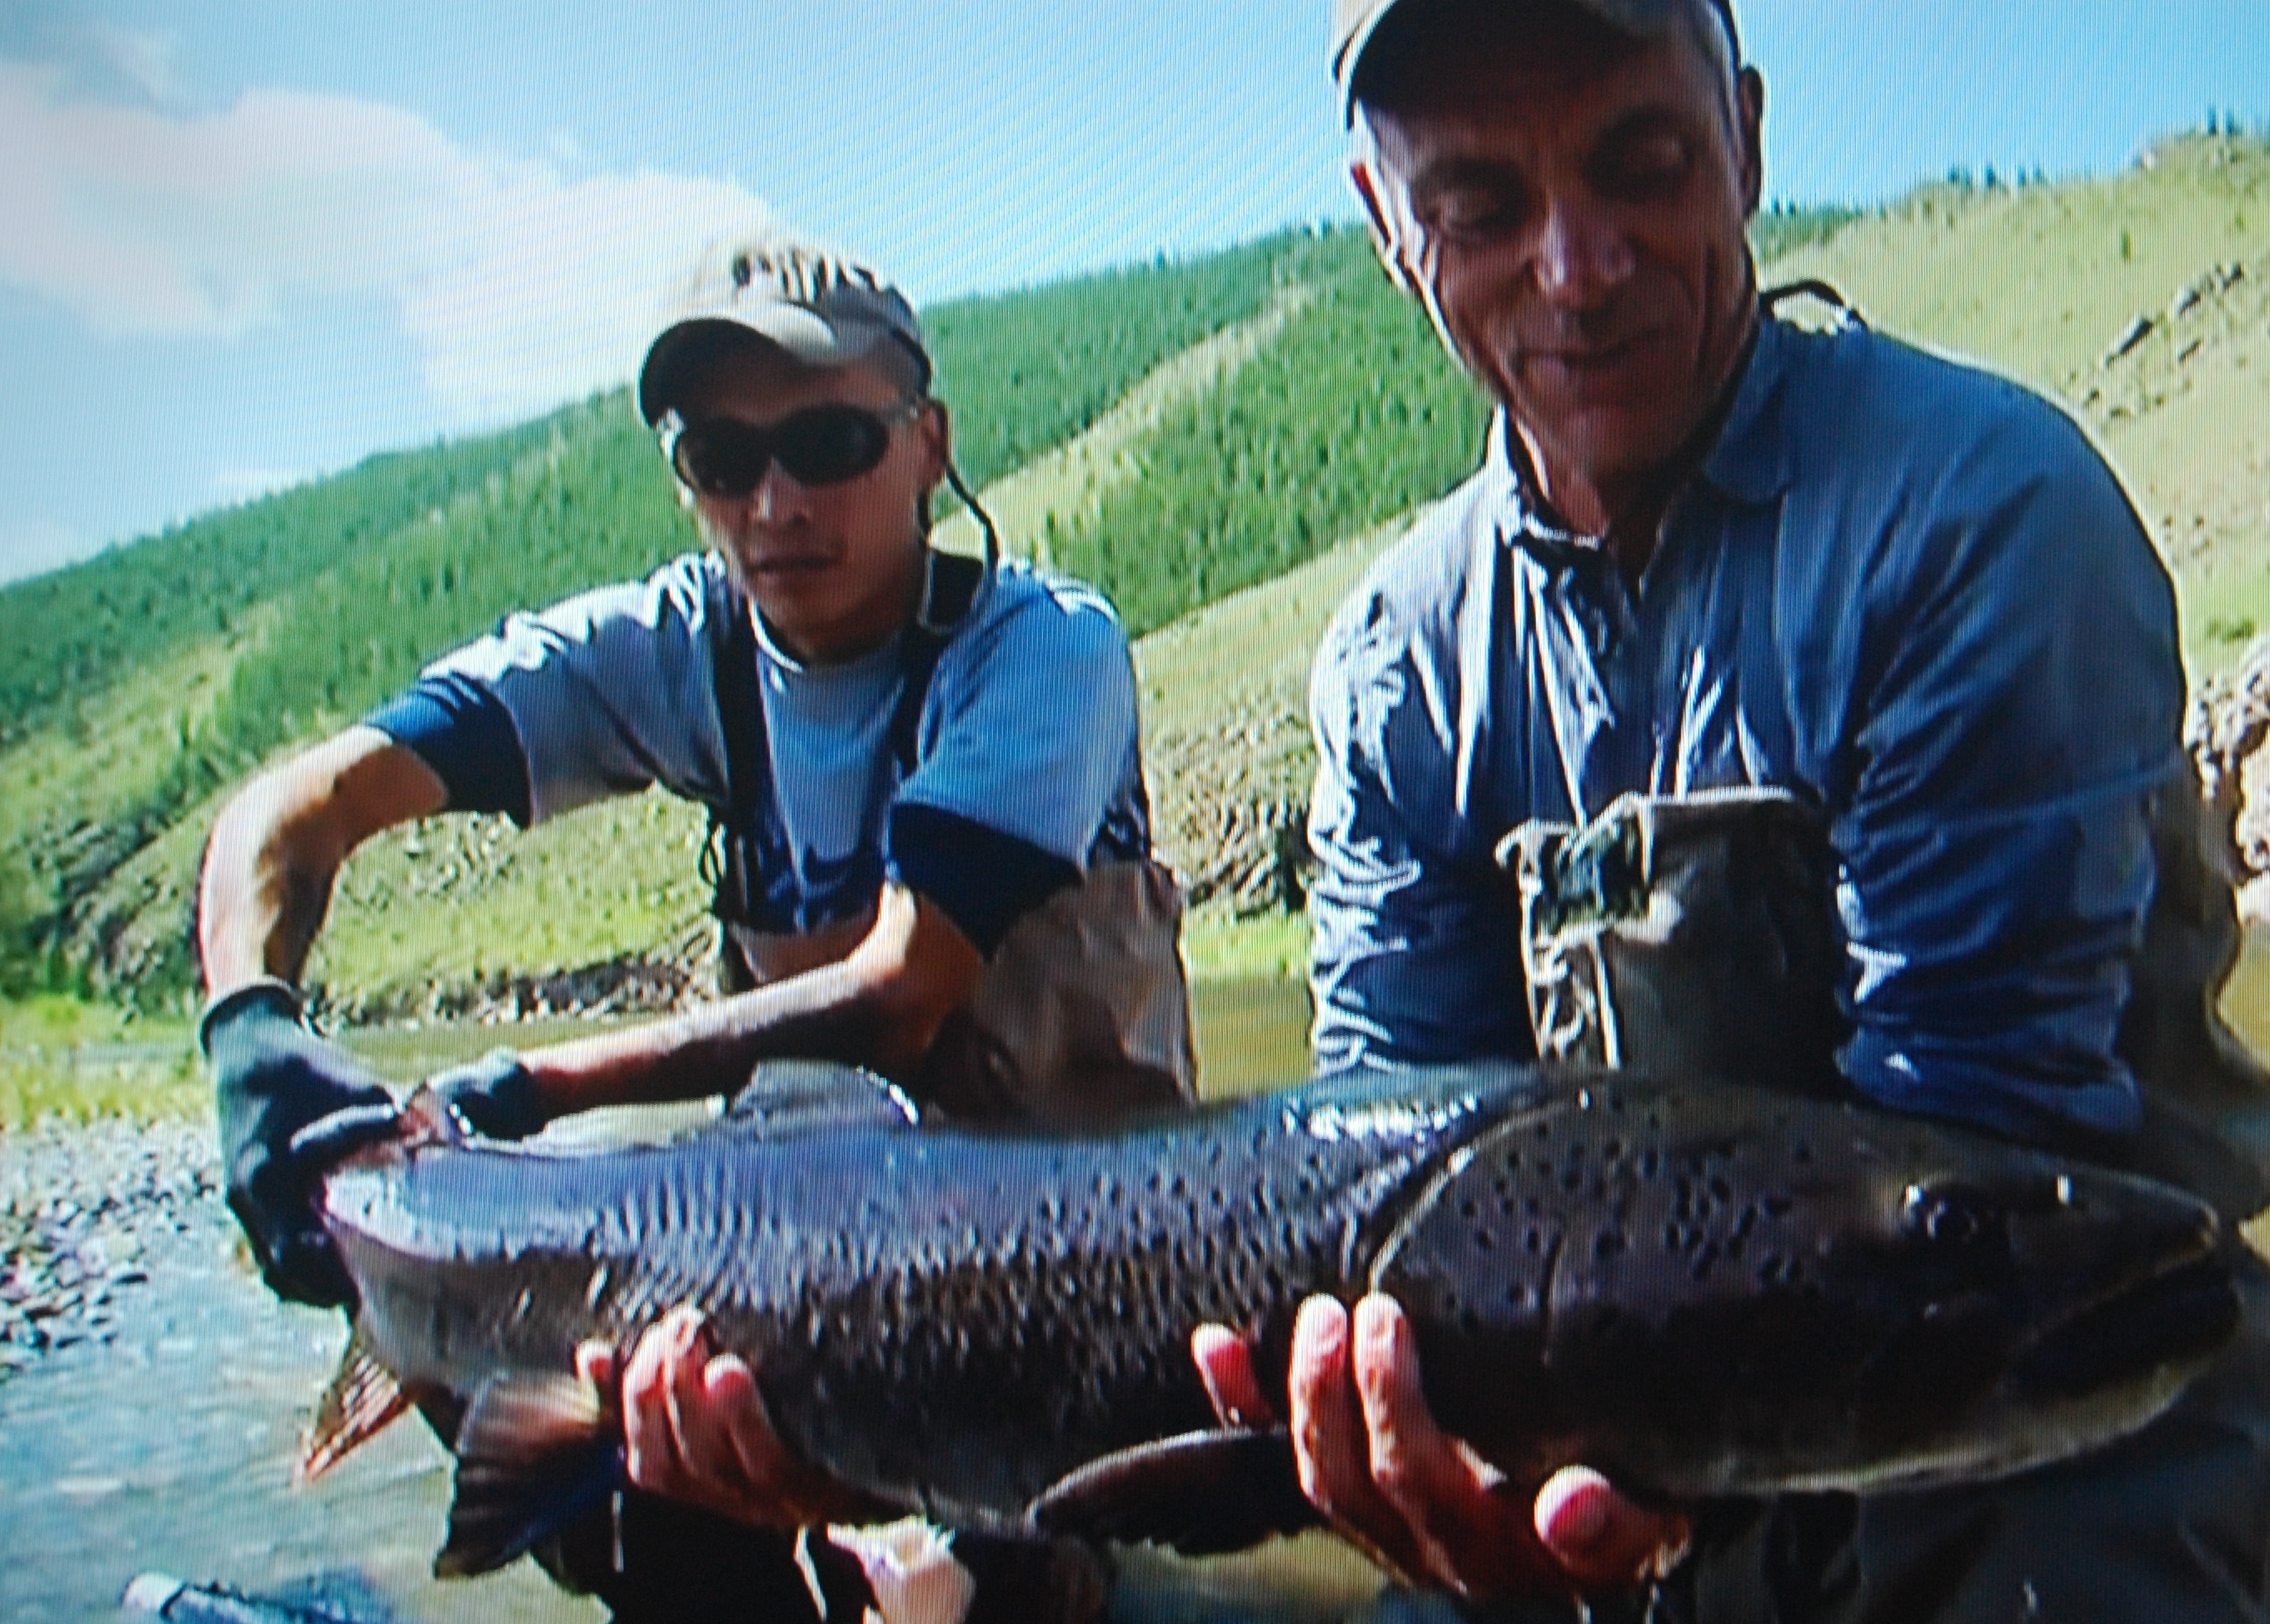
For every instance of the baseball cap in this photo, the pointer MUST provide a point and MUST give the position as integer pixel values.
(1356, 22)
(823, 309)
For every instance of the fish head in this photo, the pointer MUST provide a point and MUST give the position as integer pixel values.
(2024, 1307)
(1714, 1291)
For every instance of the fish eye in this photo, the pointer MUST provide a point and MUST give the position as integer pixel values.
(1952, 1215)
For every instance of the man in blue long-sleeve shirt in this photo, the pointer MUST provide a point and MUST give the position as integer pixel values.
(1708, 551)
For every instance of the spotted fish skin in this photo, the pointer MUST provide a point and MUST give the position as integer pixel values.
(1702, 1289)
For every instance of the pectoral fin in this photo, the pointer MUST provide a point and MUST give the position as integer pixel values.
(533, 1454)
(1202, 1493)
(362, 1401)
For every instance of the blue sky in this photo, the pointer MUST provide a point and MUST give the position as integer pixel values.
(250, 241)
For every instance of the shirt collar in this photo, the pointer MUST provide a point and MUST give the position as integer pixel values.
(1750, 463)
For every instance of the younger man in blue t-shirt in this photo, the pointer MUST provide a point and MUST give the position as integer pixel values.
(930, 831)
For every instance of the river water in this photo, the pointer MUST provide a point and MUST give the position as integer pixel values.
(169, 1449)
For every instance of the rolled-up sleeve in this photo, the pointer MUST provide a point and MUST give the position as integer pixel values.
(1413, 958)
(608, 693)
(1030, 744)
(2019, 700)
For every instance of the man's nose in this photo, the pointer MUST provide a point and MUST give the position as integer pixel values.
(779, 495)
(1582, 255)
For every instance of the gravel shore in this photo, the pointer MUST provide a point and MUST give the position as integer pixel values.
(80, 1207)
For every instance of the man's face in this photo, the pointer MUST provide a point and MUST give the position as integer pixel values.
(1572, 206)
(835, 568)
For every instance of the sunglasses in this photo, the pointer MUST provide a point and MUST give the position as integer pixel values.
(726, 458)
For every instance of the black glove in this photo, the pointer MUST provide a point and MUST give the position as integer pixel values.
(289, 1105)
(494, 1095)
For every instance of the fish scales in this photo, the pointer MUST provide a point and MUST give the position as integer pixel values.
(1702, 1289)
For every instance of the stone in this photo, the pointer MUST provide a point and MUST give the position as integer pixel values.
(2129, 338)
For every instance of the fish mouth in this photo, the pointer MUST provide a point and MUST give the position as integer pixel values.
(2181, 1316)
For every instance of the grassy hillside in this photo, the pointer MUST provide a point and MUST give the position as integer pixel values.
(2142, 302)
(1223, 446)
(135, 687)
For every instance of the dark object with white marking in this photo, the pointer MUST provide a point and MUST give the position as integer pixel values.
(1704, 1291)
(176, 1601)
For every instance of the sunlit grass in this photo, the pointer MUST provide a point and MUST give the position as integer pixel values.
(68, 1061)
(1220, 946)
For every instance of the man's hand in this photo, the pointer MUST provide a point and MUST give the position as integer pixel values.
(1426, 1505)
(695, 1429)
(289, 1104)
(495, 1095)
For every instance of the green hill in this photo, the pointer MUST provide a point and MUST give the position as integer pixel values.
(2142, 302)
(1221, 445)
(2038, 281)
(137, 686)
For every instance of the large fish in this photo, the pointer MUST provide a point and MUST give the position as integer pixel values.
(1704, 1291)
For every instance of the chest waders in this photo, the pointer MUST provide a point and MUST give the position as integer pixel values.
(1082, 1012)
(1698, 933)
(1698, 936)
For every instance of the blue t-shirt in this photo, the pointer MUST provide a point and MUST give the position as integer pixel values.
(1027, 765)
(1905, 589)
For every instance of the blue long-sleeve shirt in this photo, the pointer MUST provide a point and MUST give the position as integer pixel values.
(1906, 589)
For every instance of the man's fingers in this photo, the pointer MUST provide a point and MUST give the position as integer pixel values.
(326, 1140)
(594, 1363)
(1225, 1363)
(1328, 1444)
(1468, 1533)
(1410, 1454)
(695, 1430)
(706, 1459)
(1326, 1427)
(305, 1268)
(730, 1387)
(1601, 1538)
(651, 1455)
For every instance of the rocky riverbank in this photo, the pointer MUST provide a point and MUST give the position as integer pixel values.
(2227, 731)
(81, 1209)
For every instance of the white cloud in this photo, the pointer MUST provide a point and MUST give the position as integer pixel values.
(143, 60)
(520, 286)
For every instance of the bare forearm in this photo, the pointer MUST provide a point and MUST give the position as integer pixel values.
(828, 1013)
(881, 1007)
(277, 849)
(258, 911)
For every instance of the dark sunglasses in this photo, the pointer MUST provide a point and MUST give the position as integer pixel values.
(726, 458)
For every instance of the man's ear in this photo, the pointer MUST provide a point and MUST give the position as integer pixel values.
(936, 426)
(1384, 237)
(1752, 115)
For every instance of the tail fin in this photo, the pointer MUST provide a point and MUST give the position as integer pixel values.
(534, 1452)
(362, 1401)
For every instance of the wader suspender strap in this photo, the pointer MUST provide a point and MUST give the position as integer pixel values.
(950, 588)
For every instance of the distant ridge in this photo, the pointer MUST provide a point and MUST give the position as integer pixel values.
(134, 689)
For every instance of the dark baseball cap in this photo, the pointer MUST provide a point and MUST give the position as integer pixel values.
(1356, 22)
(819, 307)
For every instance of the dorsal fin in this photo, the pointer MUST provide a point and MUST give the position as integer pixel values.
(787, 1097)
(362, 1401)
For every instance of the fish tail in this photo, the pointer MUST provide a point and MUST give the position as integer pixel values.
(362, 1401)
(534, 1452)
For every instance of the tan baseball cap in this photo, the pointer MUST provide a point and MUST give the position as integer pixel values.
(1356, 22)
(821, 308)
